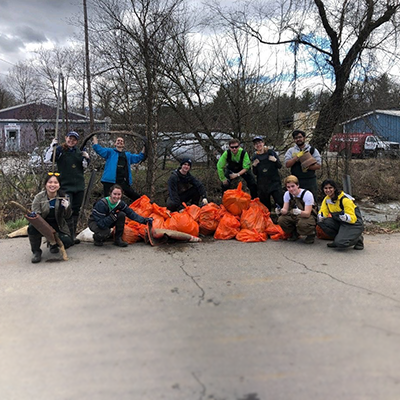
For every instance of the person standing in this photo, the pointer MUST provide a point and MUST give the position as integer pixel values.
(340, 218)
(306, 175)
(71, 162)
(233, 164)
(299, 213)
(110, 212)
(54, 207)
(266, 167)
(183, 187)
(118, 166)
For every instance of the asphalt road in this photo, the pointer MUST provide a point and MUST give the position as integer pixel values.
(212, 320)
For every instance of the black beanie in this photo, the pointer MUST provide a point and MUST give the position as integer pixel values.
(186, 160)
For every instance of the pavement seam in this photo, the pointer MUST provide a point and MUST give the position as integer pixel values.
(203, 293)
(340, 281)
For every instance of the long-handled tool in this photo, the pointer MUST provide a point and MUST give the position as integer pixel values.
(44, 228)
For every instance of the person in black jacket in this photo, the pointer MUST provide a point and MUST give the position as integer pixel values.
(183, 187)
(266, 167)
(71, 162)
(111, 211)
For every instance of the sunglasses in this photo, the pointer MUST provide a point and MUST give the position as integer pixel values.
(53, 174)
(234, 147)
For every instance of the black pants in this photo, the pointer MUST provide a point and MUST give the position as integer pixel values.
(102, 234)
(66, 239)
(128, 191)
(190, 196)
(265, 198)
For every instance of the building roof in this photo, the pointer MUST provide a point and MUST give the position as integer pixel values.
(36, 112)
(394, 113)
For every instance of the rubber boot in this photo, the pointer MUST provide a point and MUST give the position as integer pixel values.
(74, 239)
(97, 240)
(119, 230)
(71, 227)
(35, 242)
(360, 244)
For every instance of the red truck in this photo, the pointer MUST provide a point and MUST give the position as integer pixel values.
(363, 145)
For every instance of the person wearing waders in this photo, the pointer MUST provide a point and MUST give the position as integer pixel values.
(71, 162)
(340, 218)
(233, 164)
(266, 167)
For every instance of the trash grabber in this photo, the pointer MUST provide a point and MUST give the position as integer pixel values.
(44, 228)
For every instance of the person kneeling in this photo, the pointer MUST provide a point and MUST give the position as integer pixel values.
(340, 218)
(298, 212)
(109, 212)
(183, 187)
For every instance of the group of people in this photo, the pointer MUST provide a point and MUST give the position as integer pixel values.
(60, 201)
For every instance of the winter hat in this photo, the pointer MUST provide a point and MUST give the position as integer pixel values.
(186, 160)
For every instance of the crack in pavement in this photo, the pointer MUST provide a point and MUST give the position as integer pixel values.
(341, 281)
(203, 293)
(203, 392)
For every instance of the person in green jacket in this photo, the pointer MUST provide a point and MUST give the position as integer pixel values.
(234, 164)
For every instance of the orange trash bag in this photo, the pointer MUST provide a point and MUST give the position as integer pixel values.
(280, 235)
(158, 221)
(182, 222)
(131, 234)
(271, 228)
(251, 235)
(194, 211)
(228, 227)
(161, 211)
(255, 216)
(235, 200)
(142, 206)
(209, 218)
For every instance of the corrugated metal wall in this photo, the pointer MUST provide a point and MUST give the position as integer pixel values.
(385, 125)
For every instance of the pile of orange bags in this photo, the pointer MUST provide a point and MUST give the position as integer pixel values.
(238, 217)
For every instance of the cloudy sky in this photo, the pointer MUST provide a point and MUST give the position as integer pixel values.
(26, 24)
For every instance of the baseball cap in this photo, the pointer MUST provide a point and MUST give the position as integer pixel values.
(74, 134)
(258, 138)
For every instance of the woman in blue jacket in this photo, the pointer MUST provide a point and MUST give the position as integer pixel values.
(118, 166)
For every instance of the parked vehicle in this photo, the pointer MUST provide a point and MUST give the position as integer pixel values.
(363, 145)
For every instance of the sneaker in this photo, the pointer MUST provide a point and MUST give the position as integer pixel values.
(98, 243)
(331, 244)
(294, 237)
(309, 239)
(54, 249)
(360, 244)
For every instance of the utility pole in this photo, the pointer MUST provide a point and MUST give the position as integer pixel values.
(88, 78)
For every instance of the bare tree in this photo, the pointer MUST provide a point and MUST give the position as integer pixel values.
(141, 28)
(24, 83)
(336, 35)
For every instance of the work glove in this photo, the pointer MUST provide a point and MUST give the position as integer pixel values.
(85, 154)
(278, 210)
(32, 214)
(321, 217)
(54, 142)
(296, 211)
(272, 158)
(345, 217)
(299, 154)
(256, 162)
(233, 176)
(204, 202)
(65, 203)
